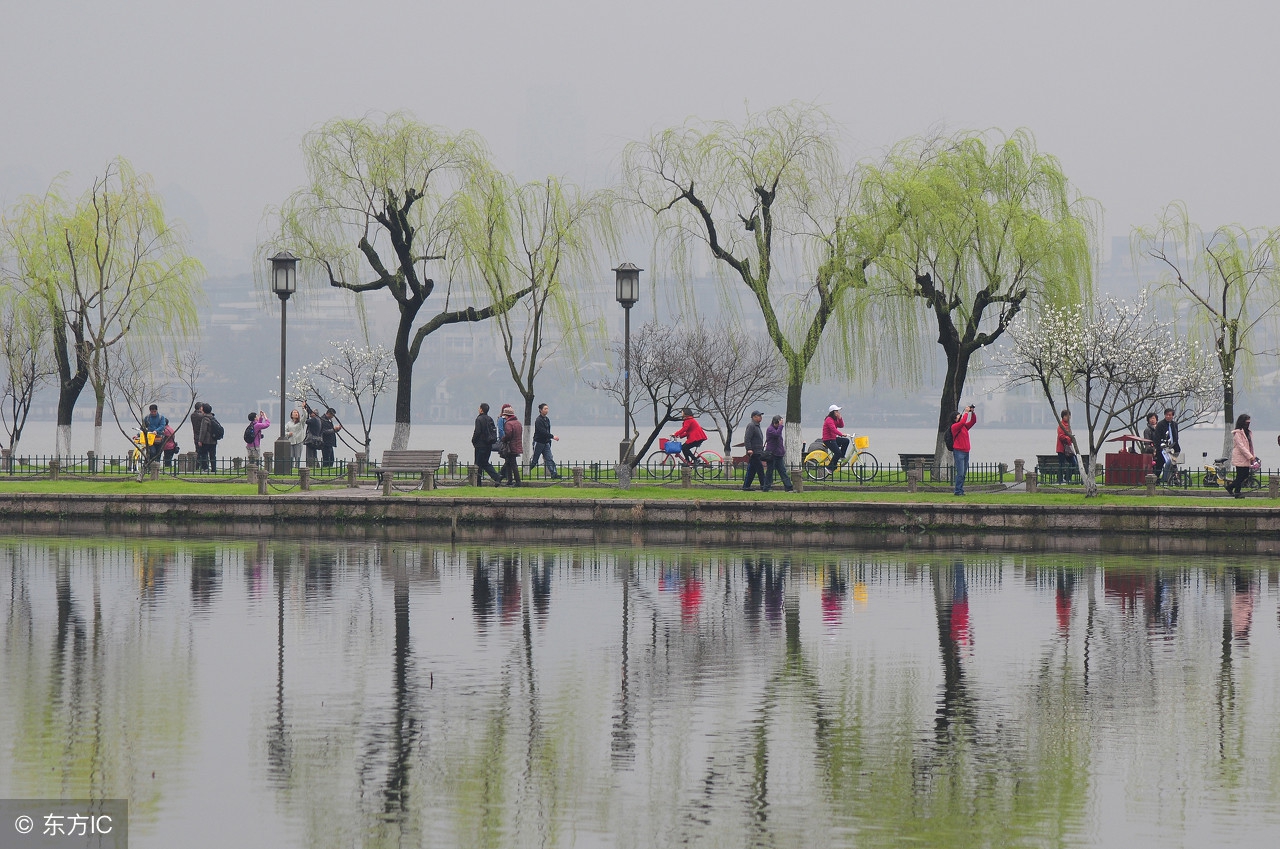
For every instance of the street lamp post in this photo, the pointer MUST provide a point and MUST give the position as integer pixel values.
(628, 292)
(284, 282)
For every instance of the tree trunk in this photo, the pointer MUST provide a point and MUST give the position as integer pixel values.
(793, 430)
(1228, 412)
(404, 380)
(528, 425)
(952, 389)
(100, 401)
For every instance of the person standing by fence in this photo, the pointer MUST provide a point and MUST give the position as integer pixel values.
(512, 443)
(1066, 449)
(775, 449)
(960, 445)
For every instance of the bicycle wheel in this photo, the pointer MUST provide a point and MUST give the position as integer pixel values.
(660, 465)
(709, 465)
(815, 469)
(864, 467)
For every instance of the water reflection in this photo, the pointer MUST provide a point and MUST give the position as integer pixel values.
(412, 694)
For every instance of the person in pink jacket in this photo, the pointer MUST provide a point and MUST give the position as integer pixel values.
(836, 440)
(1242, 456)
(960, 444)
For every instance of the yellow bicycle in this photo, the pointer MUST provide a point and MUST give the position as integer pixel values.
(860, 462)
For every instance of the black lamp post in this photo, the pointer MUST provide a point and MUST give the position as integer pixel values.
(284, 282)
(628, 292)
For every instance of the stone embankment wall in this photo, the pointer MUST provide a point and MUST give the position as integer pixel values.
(808, 523)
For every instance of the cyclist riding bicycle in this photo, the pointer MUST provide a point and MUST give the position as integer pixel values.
(833, 437)
(692, 433)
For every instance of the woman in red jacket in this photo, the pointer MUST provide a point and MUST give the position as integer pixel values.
(692, 434)
(836, 440)
(960, 443)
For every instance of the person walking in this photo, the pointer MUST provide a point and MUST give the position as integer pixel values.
(754, 443)
(295, 430)
(211, 431)
(512, 442)
(775, 449)
(253, 438)
(482, 440)
(960, 445)
(542, 438)
(1066, 448)
(1242, 456)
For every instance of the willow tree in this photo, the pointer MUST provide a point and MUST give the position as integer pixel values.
(990, 227)
(1230, 281)
(381, 207)
(108, 269)
(538, 237)
(770, 202)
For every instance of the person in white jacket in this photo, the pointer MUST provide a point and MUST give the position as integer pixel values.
(1242, 455)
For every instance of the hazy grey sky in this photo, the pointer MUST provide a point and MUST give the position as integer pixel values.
(1143, 101)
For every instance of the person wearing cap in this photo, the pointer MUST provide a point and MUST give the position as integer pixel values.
(692, 434)
(512, 443)
(754, 443)
(836, 440)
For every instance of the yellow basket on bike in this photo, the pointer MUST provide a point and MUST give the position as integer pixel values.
(862, 442)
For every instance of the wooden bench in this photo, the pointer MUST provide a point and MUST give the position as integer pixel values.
(410, 460)
(1047, 469)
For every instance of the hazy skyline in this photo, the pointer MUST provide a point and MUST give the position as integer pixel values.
(1143, 102)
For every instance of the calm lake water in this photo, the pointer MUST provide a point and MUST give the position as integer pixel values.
(304, 694)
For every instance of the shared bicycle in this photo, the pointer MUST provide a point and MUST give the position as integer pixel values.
(860, 462)
(667, 461)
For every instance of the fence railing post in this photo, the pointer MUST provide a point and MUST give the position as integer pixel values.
(386, 482)
(1151, 485)
(304, 480)
(351, 476)
(1018, 470)
(1033, 485)
(1273, 486)
(578, 473)
(453, 464)
(54, 469)
(262, 480)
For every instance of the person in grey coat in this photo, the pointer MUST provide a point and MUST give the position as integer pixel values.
(754, 444)
(482, 440)
(776, 449)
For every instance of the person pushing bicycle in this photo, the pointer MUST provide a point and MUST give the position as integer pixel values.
(693, 436)
(836, 440)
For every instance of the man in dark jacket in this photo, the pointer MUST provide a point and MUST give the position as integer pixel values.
(482, 439)
(754, 444)
(210, 432)
(197, 418)
(314, 440)
(1166, 432)
(329, 427)
(542, 438)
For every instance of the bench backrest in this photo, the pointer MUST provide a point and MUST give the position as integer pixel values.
(412, 458)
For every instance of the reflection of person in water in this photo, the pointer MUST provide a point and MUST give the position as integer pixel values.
(690, 597)
(959, 613)
(509, 596)
(483, 599)
(1065, 589)
(753, 602)
(834, 593)
(541, 580)
(1241, 605)
(775, 583)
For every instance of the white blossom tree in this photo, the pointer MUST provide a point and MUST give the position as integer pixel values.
(354, 374)
(1114, 361)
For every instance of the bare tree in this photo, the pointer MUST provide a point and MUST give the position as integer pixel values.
(728, 372)
(27, 364)
(138, 379)
(659, 379)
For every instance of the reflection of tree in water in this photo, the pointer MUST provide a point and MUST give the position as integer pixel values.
(115, 671)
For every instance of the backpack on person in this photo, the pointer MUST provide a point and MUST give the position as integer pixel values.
(249, 434)
(949, 438)
(215, 429)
